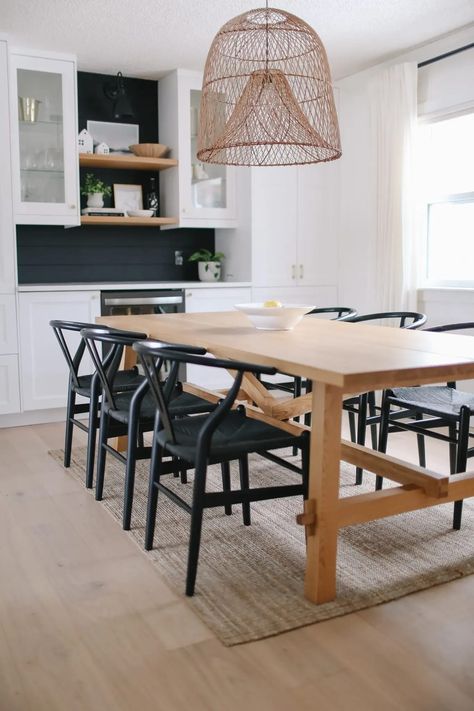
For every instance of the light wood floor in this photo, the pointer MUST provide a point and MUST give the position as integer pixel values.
(87, 624)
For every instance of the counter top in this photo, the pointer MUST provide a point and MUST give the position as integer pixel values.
(135, 286)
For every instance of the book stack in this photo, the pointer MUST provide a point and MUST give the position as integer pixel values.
(103, 212)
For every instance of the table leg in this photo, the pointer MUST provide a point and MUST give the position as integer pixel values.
(325, 455)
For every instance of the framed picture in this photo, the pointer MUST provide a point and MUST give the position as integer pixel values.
(128, 197)
(117, 136)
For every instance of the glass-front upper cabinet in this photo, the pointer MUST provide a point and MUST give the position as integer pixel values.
(44, 134)
(200, 194)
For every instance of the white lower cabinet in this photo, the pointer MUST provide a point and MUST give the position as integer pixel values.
(9, 380)
(43, 369)
(9, 385)
(8, 332)
(213, 299)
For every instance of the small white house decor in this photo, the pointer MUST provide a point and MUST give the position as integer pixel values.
(85, 143)
(102, 149)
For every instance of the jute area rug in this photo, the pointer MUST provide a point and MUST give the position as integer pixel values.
(250, 579)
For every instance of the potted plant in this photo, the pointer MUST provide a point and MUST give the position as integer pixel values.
(95, 190)
(209, 264)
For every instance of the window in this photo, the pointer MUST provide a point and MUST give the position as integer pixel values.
(447, 196)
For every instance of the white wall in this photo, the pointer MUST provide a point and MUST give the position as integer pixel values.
(357, 199)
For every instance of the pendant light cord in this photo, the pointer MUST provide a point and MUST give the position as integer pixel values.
(266, 36)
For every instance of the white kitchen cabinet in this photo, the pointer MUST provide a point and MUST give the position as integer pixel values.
(293, 240)
(313, 295)
(9, 380)
(201, 195)
(43, 369)
(43, 100)
(8, 327)
(213, 299)
(9, 385)
(7, 233)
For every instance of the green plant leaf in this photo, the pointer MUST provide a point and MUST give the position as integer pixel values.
(205, 255)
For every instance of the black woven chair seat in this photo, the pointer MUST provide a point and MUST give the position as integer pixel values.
(181, 404)
(236, 435)
(433, 399)
(124, 380)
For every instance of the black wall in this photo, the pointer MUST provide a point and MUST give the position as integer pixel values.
(110, 254)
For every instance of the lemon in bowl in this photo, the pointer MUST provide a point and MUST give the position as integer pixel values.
(270, 317)
(272, 304)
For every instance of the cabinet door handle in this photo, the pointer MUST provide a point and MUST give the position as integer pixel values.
(72, 207)
(293, 271)
(188, 294)
(301, 271)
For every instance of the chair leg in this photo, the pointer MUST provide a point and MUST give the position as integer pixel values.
(352, 426)
(196, 526)
(92, 437)
(154, 480)
(452, 448)
(461, 459)
(383, 435)
(297, 393)
(225, 471)
(244, 486)
(101, 455)
(309, 389)
(372, 413)
(132, 439)
(361, 431)
(421, 443)
(71, 401)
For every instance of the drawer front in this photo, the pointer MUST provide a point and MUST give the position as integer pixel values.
(217, 299)
(8, 332)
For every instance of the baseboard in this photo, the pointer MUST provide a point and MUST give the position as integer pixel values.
(35, 417)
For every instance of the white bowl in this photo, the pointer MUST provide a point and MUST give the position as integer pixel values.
(274, 318)
(140, 213)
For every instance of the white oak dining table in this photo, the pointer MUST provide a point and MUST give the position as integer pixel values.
(340, 359)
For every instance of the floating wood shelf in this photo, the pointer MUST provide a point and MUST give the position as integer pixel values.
(128, 221)
(130, 162)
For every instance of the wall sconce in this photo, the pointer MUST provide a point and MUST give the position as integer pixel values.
(115, 91)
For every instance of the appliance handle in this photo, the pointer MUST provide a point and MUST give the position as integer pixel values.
(144, 301)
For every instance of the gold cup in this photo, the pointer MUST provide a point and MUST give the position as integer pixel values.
(28, 108)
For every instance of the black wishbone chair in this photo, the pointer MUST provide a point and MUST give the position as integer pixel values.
(86, 386)
(363, 405)
(129, 413)
(224, 435)
(445, 407)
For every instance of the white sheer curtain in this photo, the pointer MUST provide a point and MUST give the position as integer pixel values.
(393, 103)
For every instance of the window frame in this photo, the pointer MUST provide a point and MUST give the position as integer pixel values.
(426, 201)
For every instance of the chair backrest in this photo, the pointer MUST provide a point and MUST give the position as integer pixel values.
(152, 354)
(452, 327)
(406, 319)
(342, 312)
(73, 357)
(464, 326)
(107, 367)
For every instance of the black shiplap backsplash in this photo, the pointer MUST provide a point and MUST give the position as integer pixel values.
(91, 254)
(107, 254)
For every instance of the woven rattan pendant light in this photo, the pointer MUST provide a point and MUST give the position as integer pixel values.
(267, 96)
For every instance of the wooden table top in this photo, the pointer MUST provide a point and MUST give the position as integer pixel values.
(352, 356)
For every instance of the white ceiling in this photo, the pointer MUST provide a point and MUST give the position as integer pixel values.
(147, 38)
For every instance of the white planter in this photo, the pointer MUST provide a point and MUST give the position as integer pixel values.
(95, 200)
(209, 271)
